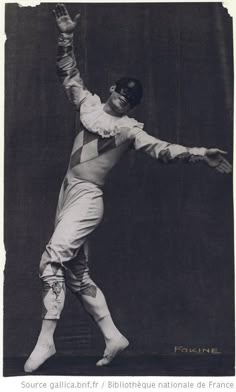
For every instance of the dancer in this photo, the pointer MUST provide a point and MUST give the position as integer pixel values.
(105, 134)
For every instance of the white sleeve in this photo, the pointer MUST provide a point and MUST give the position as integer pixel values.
(68, 71)
(164, 151)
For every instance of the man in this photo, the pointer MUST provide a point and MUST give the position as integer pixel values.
(105, 134)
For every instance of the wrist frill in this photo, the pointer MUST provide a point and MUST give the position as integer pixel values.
(65, 39)
(66, 35)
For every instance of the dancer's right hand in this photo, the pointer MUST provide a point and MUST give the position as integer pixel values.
(63, 20)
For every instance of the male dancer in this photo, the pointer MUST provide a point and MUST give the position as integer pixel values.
(105, 134)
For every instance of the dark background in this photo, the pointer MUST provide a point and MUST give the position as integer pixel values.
(164, 252)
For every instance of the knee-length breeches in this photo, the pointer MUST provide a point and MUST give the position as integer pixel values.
(65, 259)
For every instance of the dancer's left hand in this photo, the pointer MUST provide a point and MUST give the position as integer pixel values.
(215, 159)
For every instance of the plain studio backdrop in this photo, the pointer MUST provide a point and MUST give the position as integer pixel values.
(163, 254)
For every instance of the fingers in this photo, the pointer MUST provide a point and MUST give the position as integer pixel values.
(60, 10)
(226, 163)
(224, 167)
(63, 9)
(57, 12)
(219, 169)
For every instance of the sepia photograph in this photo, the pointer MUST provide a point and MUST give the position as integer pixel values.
(118, 190)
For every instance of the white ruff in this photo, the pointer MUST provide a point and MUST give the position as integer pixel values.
(96, 120)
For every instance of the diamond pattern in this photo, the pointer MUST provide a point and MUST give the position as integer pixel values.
(88, 146)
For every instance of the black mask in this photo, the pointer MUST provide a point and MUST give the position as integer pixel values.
(131, 89)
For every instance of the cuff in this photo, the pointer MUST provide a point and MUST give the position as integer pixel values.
(66, 35)
(65, 39)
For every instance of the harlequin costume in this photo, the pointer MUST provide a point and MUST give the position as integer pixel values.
(101, 141)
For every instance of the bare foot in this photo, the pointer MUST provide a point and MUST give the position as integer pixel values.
(113, 348)
(38, 356)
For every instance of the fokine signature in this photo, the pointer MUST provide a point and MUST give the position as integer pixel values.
(196, 350)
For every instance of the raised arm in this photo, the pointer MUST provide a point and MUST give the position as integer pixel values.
(168, 152)
(67, 69)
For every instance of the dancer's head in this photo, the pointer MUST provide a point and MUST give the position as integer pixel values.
(125, 94)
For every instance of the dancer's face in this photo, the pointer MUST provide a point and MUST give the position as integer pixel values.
(118, 102)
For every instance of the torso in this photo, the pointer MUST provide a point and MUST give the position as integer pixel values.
(93, 156)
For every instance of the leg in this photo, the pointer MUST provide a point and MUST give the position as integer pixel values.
(79, 282)
(79, 211)
(53, 297)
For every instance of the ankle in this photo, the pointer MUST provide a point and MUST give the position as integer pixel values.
(109, 330)
(114, 336)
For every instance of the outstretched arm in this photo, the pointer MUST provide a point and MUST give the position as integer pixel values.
(168, 152)
(67, 69)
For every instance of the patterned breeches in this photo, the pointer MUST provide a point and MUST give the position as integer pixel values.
(65, 259)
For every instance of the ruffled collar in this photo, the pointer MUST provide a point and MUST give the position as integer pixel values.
(96, 120)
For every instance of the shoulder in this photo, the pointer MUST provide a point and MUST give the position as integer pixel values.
(127, 134)
(130, 125)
